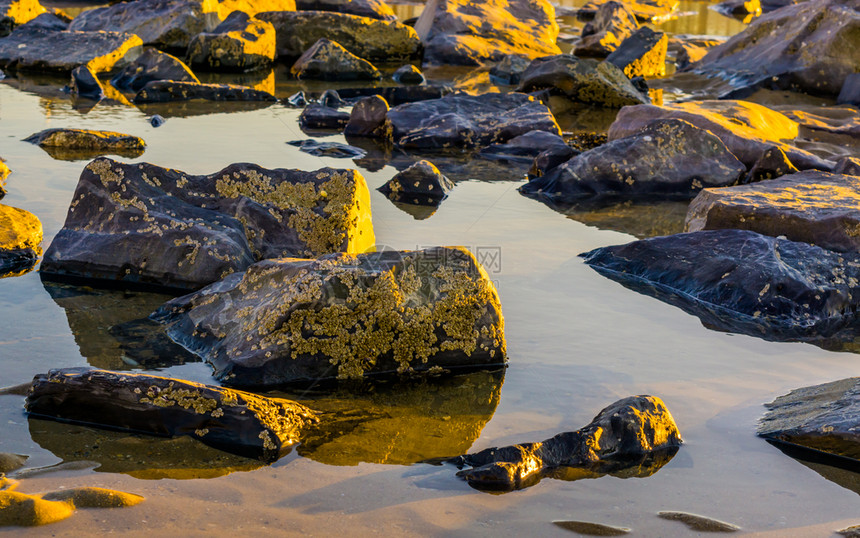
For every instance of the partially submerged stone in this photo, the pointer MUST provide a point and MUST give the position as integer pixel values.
(612, 24)
(375, 9)
(165, 91)
(525, 147)
(241, 43)
(147, 226)
(408, 74)
(509, 69)
(20, 240)
(234, 421)
(462, 120)
(699, 523)
(328, 60)
(463, 32)
(397, 95)
(36, 49)
(91, 497)
(365, 37)
(369, 118)
(642, 54)
(743, 10)
(149, 66)
(86, 139)
(592, 529)
(341, 316)
(420, 184)
(22, 510)
(814, 207)
(583, 81)
(743, 282)
(317, 116)
(634, 431)
(85, 83)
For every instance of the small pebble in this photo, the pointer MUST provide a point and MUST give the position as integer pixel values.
(157, 121)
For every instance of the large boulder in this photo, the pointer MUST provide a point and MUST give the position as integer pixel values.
(20, 240)
(152, 65)
(743, 282)
(465, 32)
(165, 91)
(462, 120)
(809, 47)
(365, 37)
(36, 49)
(581, 80)
(147, 226)
(667, 159)
(747, 129)
(17, 12)
(814, 207)
(821, 420)
(328, 60)
(234, 421)
(374, 9)
(166, 24)
(340, 317)
(612, 24)
(636, 432)
(240, 43)
(642, 54)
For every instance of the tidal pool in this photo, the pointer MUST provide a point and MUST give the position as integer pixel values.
(576, 342)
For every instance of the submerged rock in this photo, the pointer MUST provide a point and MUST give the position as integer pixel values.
(464, 32)
(240, 43)
(462, 120)
(146, 226)
(236, 422)
(592, 529)
(149, 66)
(17, 12)
(369, 118)
(612, 24)
(338, 316)
(669, 158)
(743, 282)
(642, 54)
(375, 9)
(37, 49)
(20, 240)
(329, 149)
(328, 60)
(699, 523)
(21, 510)
(318, 116)
(526, 147)
(420, 184)
(164, 91)
(633, 432)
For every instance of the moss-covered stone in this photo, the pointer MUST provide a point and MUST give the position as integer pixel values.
(240, 43)
(86, 139)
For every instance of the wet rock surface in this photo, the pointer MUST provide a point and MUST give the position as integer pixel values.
(17, 12)
(86, 139)
(318, 116)
(164, 91)
(375, 9)
(612, 24)
(636, 432)
(141, 225)
(408, 74)
(241, 43)
(369, 118)
(526, 147)
(340, 317)
(642, 54)
(328, 60)
(20, 240)
(420, 184)
(237, 422)
(85, 84)
(329, 149)
(149, 66)
(37, 49)
(397, 95)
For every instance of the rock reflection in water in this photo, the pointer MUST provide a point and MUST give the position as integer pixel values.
(187, 109)
(112, 330)
(69, 154)
(403, 422)
(639, 219)
(144, 457)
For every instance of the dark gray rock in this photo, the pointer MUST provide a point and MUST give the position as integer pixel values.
(743, 282)
(667, 159)
(374, 9)
(140, 225)
(297, 100)
(420, 184)
(642, 54)
(230, 420)
(408, 74)
(295, 321)
(86, 84)
(331, 98)
(583, 81)
(743, 10)
(510, 69)
(548, 159)
(329, 149)
(149, 66)
(849, 94)
(240, 43)
(369, 118)
(165, 91)
(612, 24)
(462, 120)
(397, 95)
(156, 121)
(526, 147)
(773, 163)
(48, 21)
(16, 13)
(328, 60)
(634, 436)
(316, 116)
(847, 165)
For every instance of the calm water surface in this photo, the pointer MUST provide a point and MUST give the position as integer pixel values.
(576, 341)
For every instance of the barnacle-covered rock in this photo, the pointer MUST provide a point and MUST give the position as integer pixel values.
(145, 226)
(342, 316)
(420, 184)
(234, 421)
(76, 144)
(240, 43)
(20, 240)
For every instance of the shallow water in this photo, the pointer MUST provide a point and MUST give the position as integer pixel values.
(576, 342)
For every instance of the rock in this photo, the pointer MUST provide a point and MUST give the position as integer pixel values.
(744, 10)
(374, 9)
(369, 118)
(253, 7)
(157, 121)
(337, 317)
(408, 74)
(17, 12)
(628, 433)
(847, 165)
(773, 163)
(397, 95)
(526, 147)
(747, 129)
(613, 23)
(645, 10)
(592, 529)
(236, 422)
(22, 510)
(316, 116)
(462, 120)
(297, 100)
(331, 98)
(699, 523)
(814, 207)
(149, 66)
(240, 43)
(328, 60)
(164, 91)
(20, 240)
(140, 225)
(71, 144)
(583, 81)
(36, 49)
(851, 532)
(810, 47)
(742, 282)
(367, 38)
(551, 158)
(85, 84)
(464, 32)
(642, 54)
(815, 122)
(89, 497)
(48, 21)
(849, 94)
(166, 24)
(509, 70)
(669, 158)
(11, 462)
(334, 150)
(686, 50)
(420, 184)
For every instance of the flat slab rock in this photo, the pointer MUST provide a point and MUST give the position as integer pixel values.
(85, 139)
(234, 421)
(742, 281)
(814, 207)
(339, 316)
(635, 432)
(37, 49)
(470, 121)
(141, 225)
(822, 418)
(165, 91)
